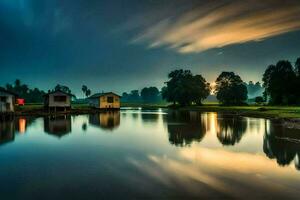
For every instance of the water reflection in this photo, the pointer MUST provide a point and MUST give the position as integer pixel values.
(106, 120)
(181, 128)
(58, 126)
(230, 129)
(282, 144)
(7, 132)
(185, 127)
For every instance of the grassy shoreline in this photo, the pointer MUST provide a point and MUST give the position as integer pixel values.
(271, 112)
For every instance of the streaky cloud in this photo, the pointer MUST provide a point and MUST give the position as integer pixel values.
(215, 24)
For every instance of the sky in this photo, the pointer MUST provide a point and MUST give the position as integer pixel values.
(123, 45)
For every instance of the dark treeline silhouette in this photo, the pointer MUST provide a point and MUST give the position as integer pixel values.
(282, 144)
(282, 83)
(185, 88)
(86, 91)
(230, 89)
(146, 95)
(34, 95)
(23, 91)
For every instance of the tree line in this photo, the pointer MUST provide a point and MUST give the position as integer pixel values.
(146, 95)
(33, 95)
(281, 83)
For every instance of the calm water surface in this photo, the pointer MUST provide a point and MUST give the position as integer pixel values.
(138, 154)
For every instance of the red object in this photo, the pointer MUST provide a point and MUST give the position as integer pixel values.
(21, 102)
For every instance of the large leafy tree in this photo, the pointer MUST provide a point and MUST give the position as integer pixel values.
(280, 83)
(185, 88)
(230, 89)
(150, 94)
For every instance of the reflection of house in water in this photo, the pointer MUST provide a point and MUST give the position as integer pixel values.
(58, 125)
(230, 129)
(106, 120)
(7, 131)
(185, 127)
(282, 144)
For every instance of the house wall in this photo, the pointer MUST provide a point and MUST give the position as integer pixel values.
(52, 103)
(10, 100)
(105, 104)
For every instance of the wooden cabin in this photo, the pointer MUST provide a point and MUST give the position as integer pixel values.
(107, 100)
(57, 101)
(7, 101)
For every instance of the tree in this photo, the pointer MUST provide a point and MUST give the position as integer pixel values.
(23, 91)
(17, 83)
(150, 94)
(65, 89)
(134, 96)
(87, 92)
(259, 100)
(230, 89)
(279, 82)
(185, 88)
(297, 67)
(84, 89)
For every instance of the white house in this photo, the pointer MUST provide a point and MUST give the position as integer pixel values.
(7, 101)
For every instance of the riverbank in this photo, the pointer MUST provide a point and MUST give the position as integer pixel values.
(270, 112)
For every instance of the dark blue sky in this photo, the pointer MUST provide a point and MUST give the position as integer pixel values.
(123, 45)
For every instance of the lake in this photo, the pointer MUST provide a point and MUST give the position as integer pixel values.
(148, 154)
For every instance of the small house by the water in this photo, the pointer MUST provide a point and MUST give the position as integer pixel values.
(107, 100)
(57, 100)
(7, 101)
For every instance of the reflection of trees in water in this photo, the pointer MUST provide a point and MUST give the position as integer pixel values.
(7, 131)
(106, 120)
(58, 125)
(149, 117)
(231, 129)
(185, 127)
(279, 145)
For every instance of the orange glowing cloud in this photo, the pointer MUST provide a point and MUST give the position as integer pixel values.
(220, 24)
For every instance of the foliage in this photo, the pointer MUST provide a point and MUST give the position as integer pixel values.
(64, 88)
(281, 82)
(86, 91)
(230, 89)
(259, 100)
(185, 88)
(133, 96)
(23, 91)
(150, 94)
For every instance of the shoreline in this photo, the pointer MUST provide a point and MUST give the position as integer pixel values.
(284, 115)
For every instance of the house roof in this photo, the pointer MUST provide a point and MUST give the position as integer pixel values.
(96, 95)
(8, 92)
(58, 91)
